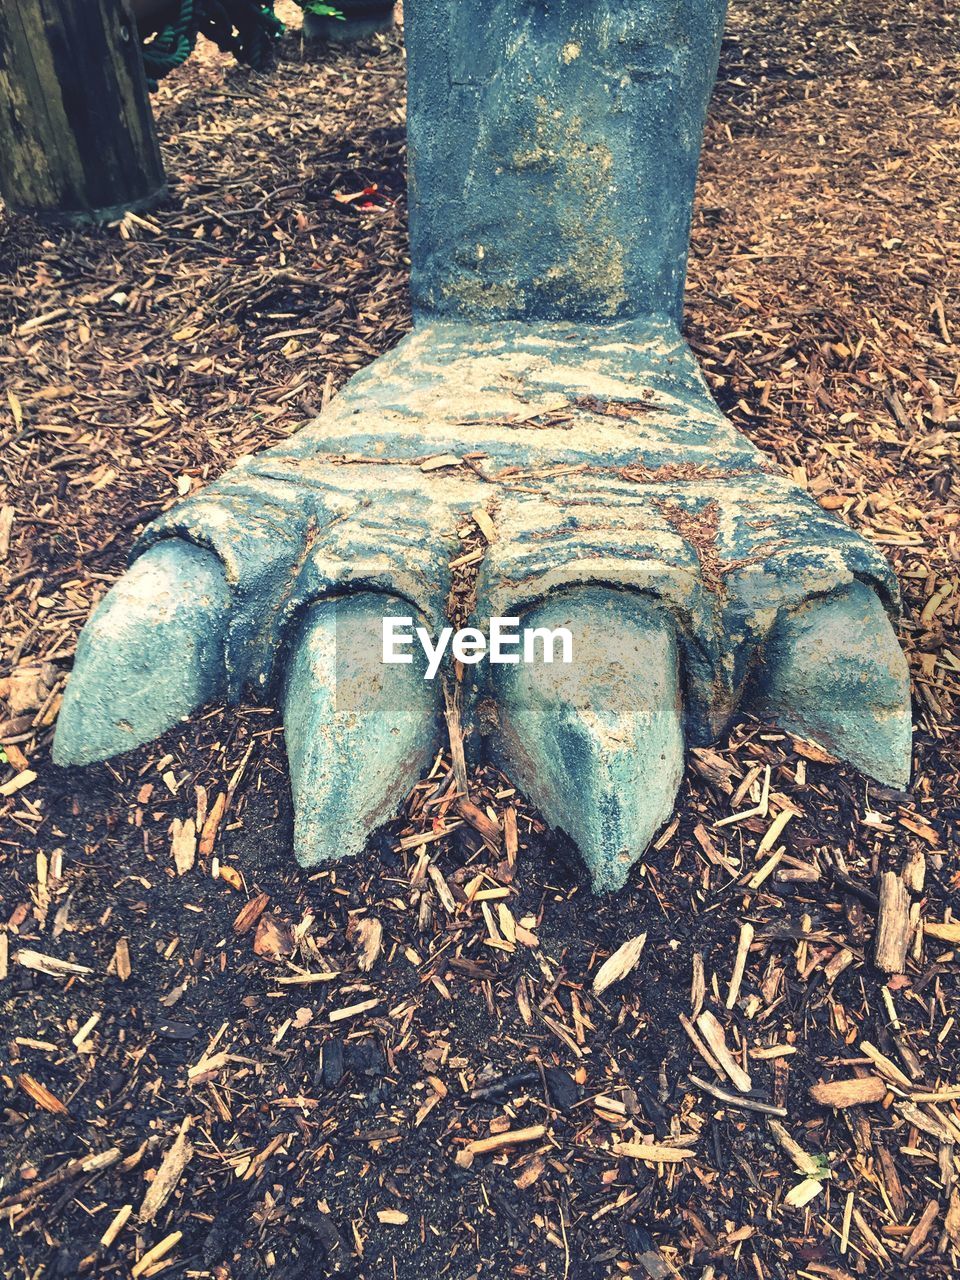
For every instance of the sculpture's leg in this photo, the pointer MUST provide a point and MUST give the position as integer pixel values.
(553, 152)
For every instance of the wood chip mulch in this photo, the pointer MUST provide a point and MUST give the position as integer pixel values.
(446, 1057)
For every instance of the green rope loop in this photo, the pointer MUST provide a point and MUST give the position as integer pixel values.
(171, 46)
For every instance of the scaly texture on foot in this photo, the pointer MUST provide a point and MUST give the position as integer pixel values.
(615, 487)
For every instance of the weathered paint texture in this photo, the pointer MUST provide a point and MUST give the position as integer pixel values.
(697, 576)
(833, 671)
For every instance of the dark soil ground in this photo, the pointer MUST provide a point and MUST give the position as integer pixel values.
(137, 363)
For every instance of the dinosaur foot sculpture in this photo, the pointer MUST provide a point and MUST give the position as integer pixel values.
(616, 501)
(548, 397)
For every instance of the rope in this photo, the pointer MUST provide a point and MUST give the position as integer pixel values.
(248, 29)
(171, 46)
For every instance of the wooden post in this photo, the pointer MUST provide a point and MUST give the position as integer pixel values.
(76, 131)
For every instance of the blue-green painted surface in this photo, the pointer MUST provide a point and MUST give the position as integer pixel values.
(553, 149)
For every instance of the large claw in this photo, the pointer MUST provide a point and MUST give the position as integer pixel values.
(358, 731)
(151, 653)
(598, 743)
(833, 671)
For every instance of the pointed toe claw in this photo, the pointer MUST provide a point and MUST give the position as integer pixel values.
(358, 732)
(598, 743)
(833, 671)
(151, 653)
